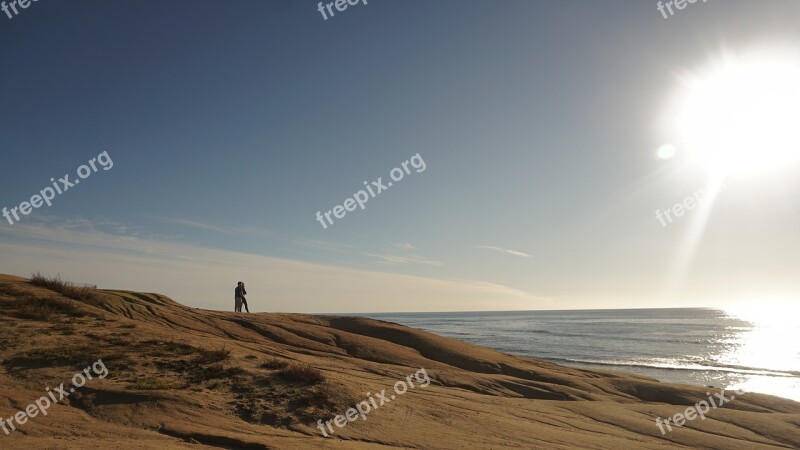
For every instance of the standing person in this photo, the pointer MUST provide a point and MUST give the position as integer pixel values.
(239, 294)
(244, 300)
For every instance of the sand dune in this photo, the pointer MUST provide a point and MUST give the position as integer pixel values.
(188, 378)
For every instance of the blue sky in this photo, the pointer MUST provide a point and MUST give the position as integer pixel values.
(230, 124)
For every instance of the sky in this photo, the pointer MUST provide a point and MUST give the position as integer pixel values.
(228, 125)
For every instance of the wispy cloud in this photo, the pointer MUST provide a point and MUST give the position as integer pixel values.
(323, 245)
(504, 250)
(404, 259)
(403, 246)
(233, 231)
(83, 224)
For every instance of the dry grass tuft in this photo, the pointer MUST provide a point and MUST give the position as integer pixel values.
(86, 295)
(323, 396)
(211, 356)
(273, 364)
(302, 373)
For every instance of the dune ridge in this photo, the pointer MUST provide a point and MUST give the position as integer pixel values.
(181, 377)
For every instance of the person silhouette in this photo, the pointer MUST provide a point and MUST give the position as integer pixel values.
(239, 298)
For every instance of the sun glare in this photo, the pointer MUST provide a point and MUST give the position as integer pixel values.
(741, 115)
(767, 312)
(770, 344)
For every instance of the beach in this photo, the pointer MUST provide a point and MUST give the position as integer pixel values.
(697, 346)
(181, 377)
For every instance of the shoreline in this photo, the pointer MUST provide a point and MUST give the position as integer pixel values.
(180, 377)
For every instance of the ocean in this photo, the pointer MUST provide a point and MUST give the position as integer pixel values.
(705, 347)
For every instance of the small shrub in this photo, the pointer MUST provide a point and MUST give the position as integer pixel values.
(212, 356)
(82, 294)
(273, 364)
(323, 396)
(302, 373)
(53, 283)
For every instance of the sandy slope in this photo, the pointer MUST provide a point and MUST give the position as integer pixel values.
(164, 392)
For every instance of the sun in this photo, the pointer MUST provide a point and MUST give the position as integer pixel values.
(741, 115)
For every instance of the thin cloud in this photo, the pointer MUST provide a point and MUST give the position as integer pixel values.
(404, 246)
(233, 231)
(505, 250)
(322, 245)
(397, 259)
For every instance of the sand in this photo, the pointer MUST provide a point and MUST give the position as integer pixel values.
(180, 377)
